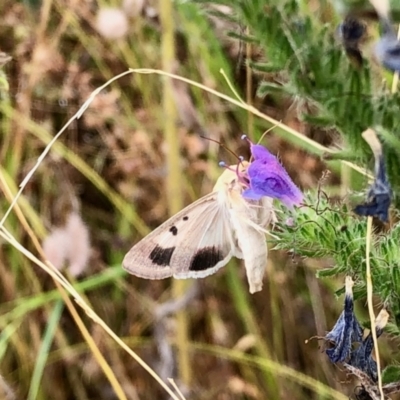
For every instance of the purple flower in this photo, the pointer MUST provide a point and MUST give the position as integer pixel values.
(268, 178)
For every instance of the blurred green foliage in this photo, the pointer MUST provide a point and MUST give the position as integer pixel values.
(357, 7)
(325, 230)
(114, 158)
(310, 66)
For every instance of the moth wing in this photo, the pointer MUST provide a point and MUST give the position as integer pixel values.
(248, 220)
(254, 250)
(194, 243)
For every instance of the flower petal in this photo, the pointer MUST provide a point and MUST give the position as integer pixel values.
(261, 153)
(269, 178)
(250, 194)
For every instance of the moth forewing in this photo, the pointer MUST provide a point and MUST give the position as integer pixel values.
(171, 248)
(140, 260)
(194, 243)
(213, 236)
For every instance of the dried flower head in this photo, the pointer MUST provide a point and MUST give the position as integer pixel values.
(112, 23)
(69, 245)
(347, 329)
(379, 193)
(352, 32)
(387, 49)
(361, 357)
(79, 244)
(269, 178)
(357, 360)
(55, 246)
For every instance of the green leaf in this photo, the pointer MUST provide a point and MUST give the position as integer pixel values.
(264, 67)
(266, 88)
(324, 273)
(391, 374)
(318, 120)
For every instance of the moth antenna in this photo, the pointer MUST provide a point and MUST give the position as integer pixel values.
(245, 137)
(222, 145)
(223, 165)
(241, 176)
(241, 159)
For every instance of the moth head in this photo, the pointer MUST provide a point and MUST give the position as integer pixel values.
(232, 176)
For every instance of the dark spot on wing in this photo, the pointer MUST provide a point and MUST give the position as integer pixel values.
(161, 256)
(206, 258)
(173, 230)
(185, 218)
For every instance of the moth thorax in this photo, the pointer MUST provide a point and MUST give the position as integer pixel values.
(231, 176)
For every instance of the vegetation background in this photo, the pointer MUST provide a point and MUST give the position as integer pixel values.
(136, 155)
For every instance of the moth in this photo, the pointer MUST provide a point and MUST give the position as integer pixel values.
(203, 237)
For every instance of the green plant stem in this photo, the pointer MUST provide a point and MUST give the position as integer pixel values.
(44, 349)
(174, 177)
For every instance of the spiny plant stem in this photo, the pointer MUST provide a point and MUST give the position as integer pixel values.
(174, 178)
